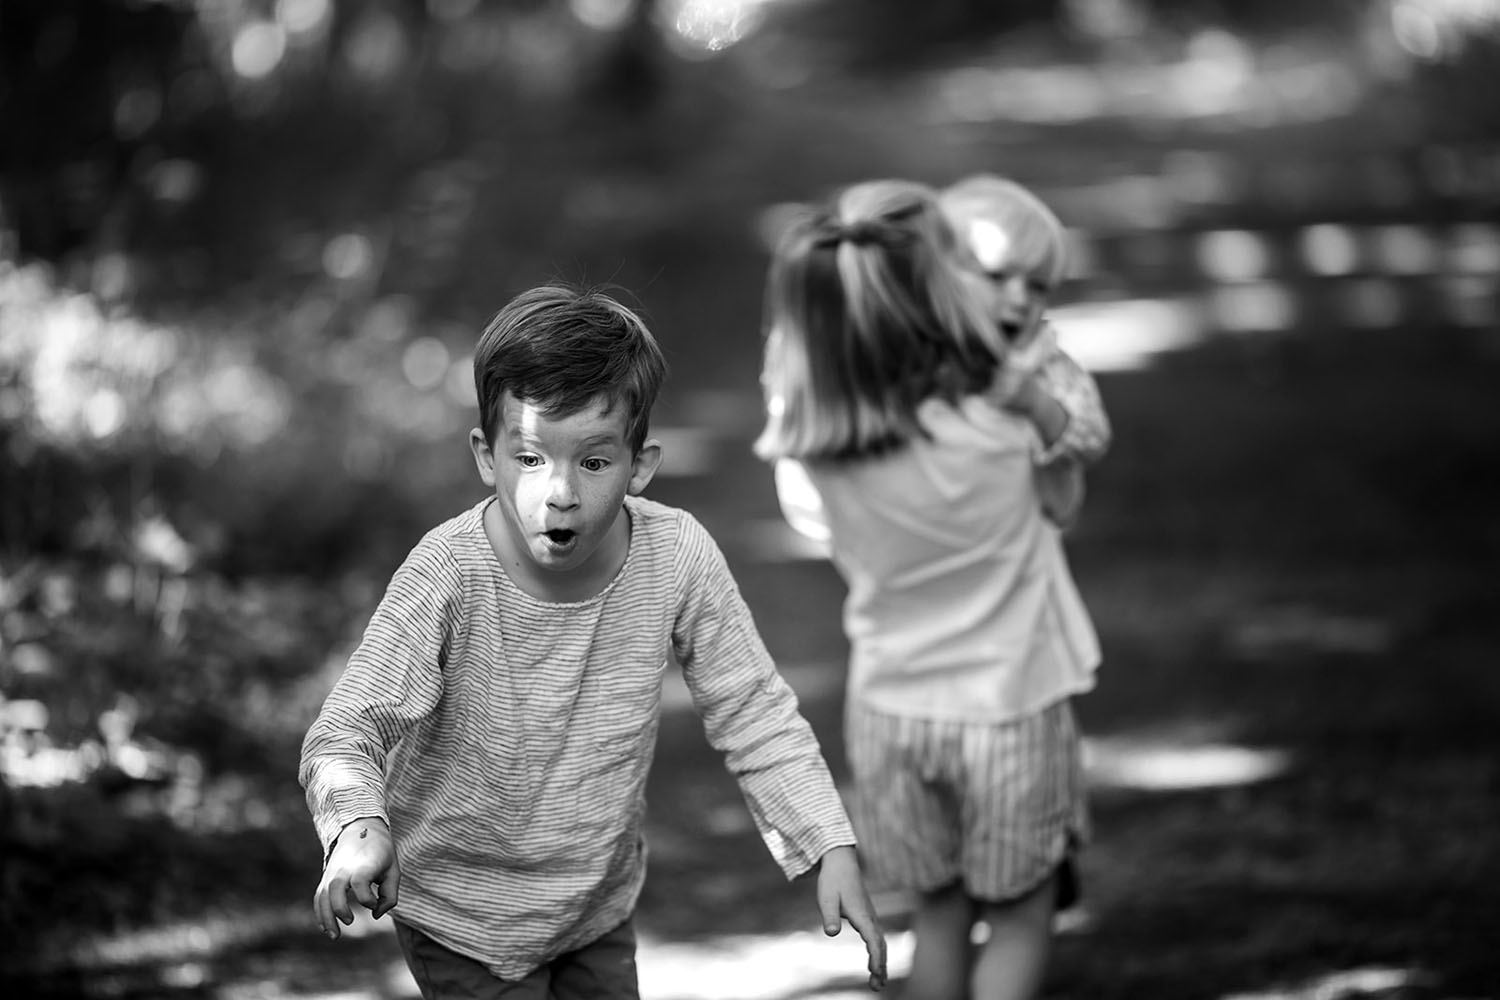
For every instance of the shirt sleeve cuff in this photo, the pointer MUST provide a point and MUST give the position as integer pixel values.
(346, 810)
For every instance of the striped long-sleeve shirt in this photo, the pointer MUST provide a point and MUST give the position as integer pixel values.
(506, 740)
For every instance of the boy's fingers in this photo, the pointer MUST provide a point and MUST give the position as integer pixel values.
(323, 910)
(390, 892)
(863, 921)
(829, 908)
(364, 891)
(338, 900)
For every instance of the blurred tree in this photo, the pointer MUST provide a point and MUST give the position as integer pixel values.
(85, 92)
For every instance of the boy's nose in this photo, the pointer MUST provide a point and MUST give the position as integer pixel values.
(561, 493)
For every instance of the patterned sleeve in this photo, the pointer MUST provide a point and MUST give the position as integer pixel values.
(750, 713)
(1088, 434)
(393, 679)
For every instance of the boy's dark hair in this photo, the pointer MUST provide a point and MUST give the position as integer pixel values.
(561, 347)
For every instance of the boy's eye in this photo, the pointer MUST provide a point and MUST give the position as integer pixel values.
(596, 464)
(1040, 287)
(528, 461)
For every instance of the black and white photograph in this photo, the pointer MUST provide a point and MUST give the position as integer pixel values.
(749, 499)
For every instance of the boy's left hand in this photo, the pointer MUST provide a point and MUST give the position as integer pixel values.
(842, 896)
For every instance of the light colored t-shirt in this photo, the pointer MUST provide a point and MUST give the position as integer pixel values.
(961, 604)
(506, 740)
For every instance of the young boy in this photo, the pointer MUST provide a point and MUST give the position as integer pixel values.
(1020, 244)
(483, 757)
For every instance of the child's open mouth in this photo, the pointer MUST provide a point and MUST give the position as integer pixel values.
(561, 536)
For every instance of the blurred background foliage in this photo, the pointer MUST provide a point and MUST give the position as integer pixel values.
(245, 246)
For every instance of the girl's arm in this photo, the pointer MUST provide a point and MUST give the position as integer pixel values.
(1042, 383)
(1060, 490)
(1086, 433)
(801, 504)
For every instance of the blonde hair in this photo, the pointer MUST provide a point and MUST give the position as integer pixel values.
(868, 315)
(994, 215)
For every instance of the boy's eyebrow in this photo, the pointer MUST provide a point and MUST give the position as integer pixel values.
(520, 435)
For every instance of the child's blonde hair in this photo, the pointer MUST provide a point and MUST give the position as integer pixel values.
(868, 315)
(999, 219)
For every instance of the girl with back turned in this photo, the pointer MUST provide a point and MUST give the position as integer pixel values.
(886, 389)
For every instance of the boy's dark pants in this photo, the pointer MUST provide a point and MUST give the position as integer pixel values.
(601, 970)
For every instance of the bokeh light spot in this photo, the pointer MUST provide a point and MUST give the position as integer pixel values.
(1329, 250)
(1253, 308)
(302, 17)
(425, 362)
(1404, 250)
(376, 47)
(1416, 31)
(258, 49)
(714, 25)
(175, 181)
(603, 15)
(1475, 249)
(1233, 255)
(136, 111)
(348, 256)
(104, 413)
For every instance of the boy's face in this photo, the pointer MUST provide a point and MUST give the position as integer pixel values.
(1022, 284)
(561, 483)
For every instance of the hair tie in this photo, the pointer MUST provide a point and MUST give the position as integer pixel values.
(865, 232)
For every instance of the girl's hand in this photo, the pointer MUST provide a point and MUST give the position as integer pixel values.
(842, 894)
(1015, 389)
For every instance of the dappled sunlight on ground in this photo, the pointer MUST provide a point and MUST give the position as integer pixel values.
(1371, 981)
(734, 967)
(1126, 335)
(1160, 766)
(763, 967)
(187, 941)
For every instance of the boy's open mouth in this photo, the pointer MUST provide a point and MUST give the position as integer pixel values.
(1011, 330)
(561, 536)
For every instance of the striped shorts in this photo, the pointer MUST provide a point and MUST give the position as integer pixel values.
(1000, 806)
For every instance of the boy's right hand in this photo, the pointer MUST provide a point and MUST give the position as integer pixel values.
(362, 862)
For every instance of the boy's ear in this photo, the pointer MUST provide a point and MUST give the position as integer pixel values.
(484, 456)
(647, 461)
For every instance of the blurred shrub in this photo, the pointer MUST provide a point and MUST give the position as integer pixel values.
(146, 707)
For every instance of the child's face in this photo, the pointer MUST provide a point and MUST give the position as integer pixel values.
(561, 483)
(1022, 280)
